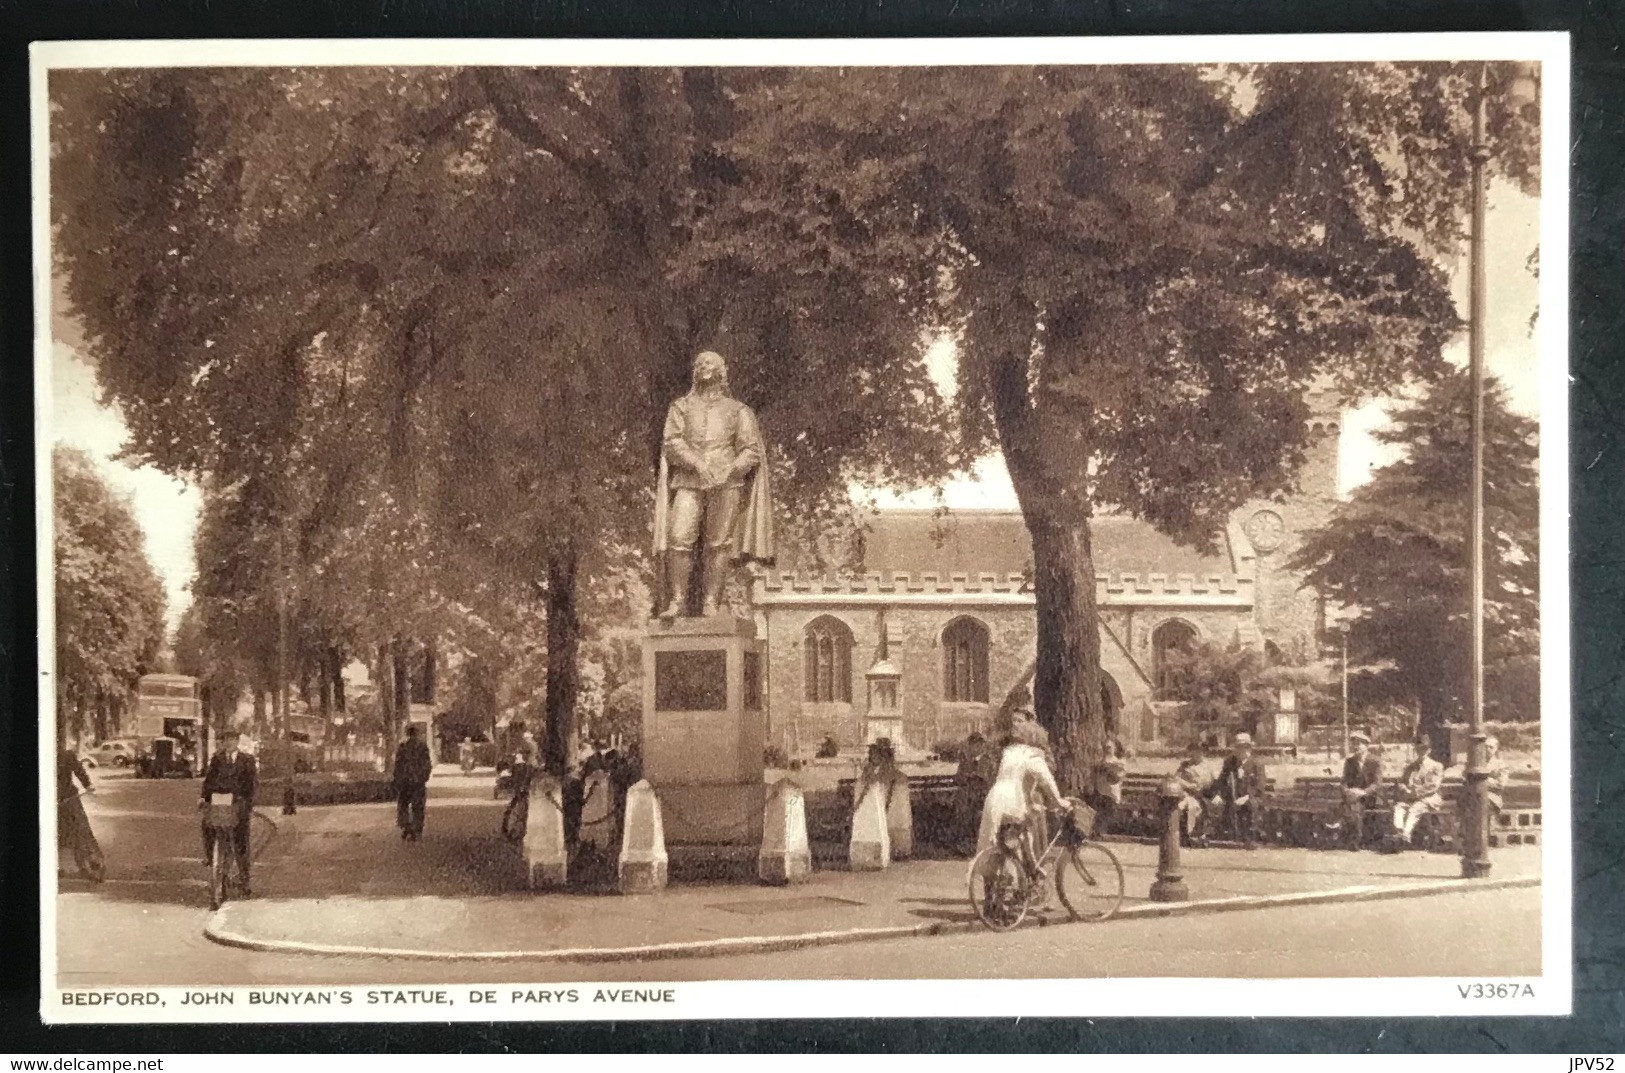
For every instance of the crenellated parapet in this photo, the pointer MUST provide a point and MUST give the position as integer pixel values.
(1121, 589)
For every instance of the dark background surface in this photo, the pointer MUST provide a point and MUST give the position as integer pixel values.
(1597, 491)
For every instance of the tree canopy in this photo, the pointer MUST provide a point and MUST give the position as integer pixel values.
(1396, 556)
(1145, 269)
(109, 600)
(423, 323)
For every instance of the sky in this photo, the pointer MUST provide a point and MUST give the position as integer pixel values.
(167, 509)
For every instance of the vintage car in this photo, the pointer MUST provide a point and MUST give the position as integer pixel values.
(116, 752)
(167, 758)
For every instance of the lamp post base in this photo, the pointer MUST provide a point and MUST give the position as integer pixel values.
(1475, 819)
(1171, 889)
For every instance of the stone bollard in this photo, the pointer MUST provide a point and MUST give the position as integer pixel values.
(1170, 883)
(870, 849)
(786, 855)
(597, 811)
(547, 858)
(643, 842)
(900, 819)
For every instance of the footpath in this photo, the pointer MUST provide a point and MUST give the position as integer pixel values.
(340, 881)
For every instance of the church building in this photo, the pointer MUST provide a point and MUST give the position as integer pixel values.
(935, 613)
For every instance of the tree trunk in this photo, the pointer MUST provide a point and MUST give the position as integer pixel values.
(1049, 470)
(401, 667)
(335, 668)
(1066, 683)
(386, 701)
(563, 671)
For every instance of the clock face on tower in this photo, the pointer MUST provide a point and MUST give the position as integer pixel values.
(1266, 530)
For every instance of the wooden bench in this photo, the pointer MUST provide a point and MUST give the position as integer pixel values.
(1315, 799)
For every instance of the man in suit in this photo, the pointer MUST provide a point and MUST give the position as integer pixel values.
(412, 766)
(231, 771)
(1239, 789)
(1362, 779)
(1418, 792)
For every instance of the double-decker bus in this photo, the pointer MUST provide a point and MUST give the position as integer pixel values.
(169, 724)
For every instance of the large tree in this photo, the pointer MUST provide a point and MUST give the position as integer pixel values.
(450, 307)
(1396, 556)
(109, 601)
(1145, 269)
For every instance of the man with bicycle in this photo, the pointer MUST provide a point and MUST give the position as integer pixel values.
(233, 772)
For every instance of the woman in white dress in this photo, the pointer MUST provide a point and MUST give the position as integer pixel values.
(1023, 785)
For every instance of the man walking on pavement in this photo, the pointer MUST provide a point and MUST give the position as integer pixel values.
(412, 767)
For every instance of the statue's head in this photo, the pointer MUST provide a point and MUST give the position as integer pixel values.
(710, 369)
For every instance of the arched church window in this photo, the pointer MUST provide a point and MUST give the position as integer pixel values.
(1170, 640)
(964, 662)
(828, 645)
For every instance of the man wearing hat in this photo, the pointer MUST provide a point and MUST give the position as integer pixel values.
(231, 771)
(1239, 789)
(1362, 778)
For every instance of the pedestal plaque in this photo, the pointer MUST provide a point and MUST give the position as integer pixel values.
(704, 730)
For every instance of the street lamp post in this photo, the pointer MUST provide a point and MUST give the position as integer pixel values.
(1475, 855)
(1475, 850)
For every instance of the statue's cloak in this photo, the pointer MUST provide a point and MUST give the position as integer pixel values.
(753, 531)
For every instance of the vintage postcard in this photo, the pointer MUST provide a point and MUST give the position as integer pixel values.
(733, 529)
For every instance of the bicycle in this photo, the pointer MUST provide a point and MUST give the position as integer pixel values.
(75, 833)
(225, 863)
(1088, 876)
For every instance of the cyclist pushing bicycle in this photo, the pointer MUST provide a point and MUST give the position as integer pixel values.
(1008, 876)
(1023, 788)
(233, 775)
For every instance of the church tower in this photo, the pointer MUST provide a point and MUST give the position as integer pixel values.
(1287, 614)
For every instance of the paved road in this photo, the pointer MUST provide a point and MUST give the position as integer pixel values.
(143, 927)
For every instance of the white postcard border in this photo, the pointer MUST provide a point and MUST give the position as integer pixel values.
(1551, 993)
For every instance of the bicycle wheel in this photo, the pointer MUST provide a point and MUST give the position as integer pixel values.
(998, 889)
(217, 872)
(90, 861)
(1089, 879)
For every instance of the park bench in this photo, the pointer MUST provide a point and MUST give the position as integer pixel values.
(1139, 815)
(1314, 799)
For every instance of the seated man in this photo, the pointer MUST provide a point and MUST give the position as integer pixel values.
(1417, 792)
(1192, 809)
(1362, 781)
(1239, 790)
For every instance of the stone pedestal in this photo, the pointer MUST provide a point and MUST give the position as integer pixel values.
(900, 819)
(546, 856)
(883, 727)
(786, 856)
(870, 848)
(705, 729)
(642, 867)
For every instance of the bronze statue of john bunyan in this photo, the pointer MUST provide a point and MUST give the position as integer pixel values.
(712, 494)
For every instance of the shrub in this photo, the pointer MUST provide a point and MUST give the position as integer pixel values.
(775, 757)
(949, 750)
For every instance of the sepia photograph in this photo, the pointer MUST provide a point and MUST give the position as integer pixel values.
(573, 530)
